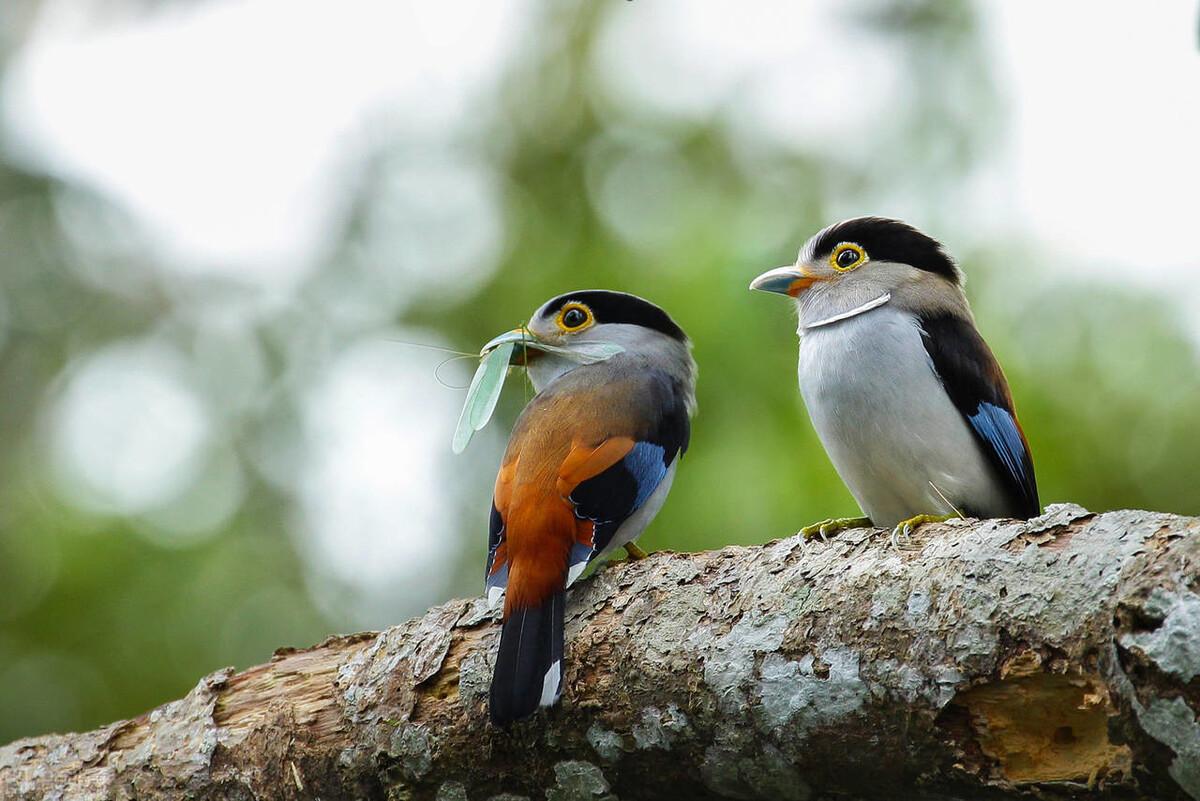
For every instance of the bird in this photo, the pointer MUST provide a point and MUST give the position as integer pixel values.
(907, 399)
(588, 465)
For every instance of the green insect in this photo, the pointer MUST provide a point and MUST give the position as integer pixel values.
(483, 394)
(488, 382)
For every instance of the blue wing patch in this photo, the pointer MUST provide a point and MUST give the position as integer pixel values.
(999, 430)
(609, 498)
(648, 468)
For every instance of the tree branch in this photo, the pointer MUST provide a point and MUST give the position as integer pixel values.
(1053, 659)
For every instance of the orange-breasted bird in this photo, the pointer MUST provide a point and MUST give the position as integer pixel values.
(589, 464)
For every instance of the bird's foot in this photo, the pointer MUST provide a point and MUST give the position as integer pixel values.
(905, 528)
(827, 528)
(634, 552)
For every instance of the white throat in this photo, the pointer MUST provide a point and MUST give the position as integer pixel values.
(857, 310)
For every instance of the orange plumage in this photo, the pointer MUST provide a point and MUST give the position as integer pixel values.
(558, 444)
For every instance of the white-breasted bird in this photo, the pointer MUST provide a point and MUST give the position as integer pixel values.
(588, 466)
(907, 398)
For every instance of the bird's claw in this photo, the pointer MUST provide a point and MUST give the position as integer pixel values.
(902, 531)
(828, 528)
(634, 552)
(905, 528)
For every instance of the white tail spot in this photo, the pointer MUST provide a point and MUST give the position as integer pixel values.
(550, 684)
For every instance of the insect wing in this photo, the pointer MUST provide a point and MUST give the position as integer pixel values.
(483, 395)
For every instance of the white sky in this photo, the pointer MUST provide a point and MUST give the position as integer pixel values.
(222, 126)
(166, 115)
(1105, 154)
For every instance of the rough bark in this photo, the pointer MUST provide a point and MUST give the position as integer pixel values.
(1053, 659)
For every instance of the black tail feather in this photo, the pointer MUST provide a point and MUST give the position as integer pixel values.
(531, 647)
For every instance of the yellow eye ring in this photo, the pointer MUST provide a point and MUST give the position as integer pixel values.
(843, 263)
(574, 317)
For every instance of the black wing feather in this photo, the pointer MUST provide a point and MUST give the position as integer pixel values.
(976, 385)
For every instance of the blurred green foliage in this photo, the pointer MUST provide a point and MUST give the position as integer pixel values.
(100, 621)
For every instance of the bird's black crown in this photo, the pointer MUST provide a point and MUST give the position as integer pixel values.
(889, 240)
(620, 307)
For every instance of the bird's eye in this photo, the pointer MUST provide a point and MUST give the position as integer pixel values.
(574, 316)
(847, 256)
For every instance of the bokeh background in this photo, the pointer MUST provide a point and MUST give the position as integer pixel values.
(222, 221)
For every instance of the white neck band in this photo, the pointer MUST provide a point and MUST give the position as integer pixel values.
(857, 310)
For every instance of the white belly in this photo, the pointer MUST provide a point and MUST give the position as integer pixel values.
(888, 425)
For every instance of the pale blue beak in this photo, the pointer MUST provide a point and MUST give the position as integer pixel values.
(790, 280)
(523, 340)
(517, 336)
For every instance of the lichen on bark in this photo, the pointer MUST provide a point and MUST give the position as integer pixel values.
(1056, 658)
